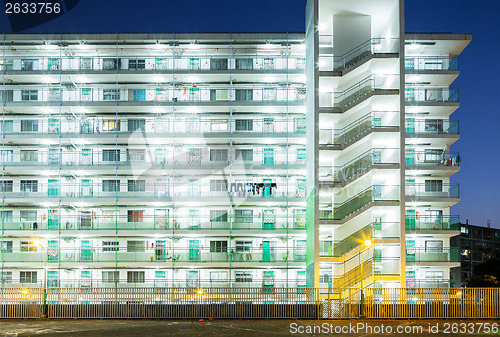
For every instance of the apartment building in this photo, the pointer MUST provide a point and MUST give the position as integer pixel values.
(232, 160)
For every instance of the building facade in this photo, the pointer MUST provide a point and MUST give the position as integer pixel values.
(232, 160)
(476, 244)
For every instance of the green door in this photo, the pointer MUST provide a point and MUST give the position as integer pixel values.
(194, 250)
(54, 156)
(85, 250)
(53, 221)
(53, 250)
(268, 279)
(268, 156)
(410, 125)
(410, 157)
(268, 219)
(267, 252)
(266, 191)
(410, 219)
(85, 188)
(53, 188)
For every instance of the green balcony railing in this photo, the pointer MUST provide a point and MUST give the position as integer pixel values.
(431, 95)
(432, 223)
(432, 189)
(433, 254)
(431, 63)
(431, 158)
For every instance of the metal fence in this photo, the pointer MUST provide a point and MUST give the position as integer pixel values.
(270, 302)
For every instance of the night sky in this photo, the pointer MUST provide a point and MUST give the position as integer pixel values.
(478, 115)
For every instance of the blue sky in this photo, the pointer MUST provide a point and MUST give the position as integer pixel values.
(478, 115)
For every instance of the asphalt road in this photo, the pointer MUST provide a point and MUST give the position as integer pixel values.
(243, 328)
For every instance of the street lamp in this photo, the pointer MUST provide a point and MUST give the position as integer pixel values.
(44, 310)
(367, 244)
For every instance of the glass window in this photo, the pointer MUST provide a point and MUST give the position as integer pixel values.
(243, 276)
(433, 186)
(29, 185)
(110, 246)
(29, 95)
(244, 94)
(110, 125)
(110, 277)
(6, 186)
(136, 246)
(243, 215)
(218, 185)
(218, 125)
(6, 216)
(218, 246)
(110, 63)
(7, 156)
(219, 155)
(6, 246)
(160, 274)
(135, 277)
(110, 94)
(6, 126)
(28, 246)
(27, 277)
(29, 155)
(135, 216)
(111, 185)
(136, 124)
(110, 155)
(244, 64)
(218, 64)
(218, 215)
(136, 64)
(245, 154)
(243, 246)
(244, 125)
(6, 276)
(136, 155)
(136, 185)
(30, 125)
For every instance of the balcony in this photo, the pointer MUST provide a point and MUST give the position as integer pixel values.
(165, 94)
(384, 84)
(430, 158)
(423, 127)
(430, 283)
(432, 223)
(163, 223)
(431, 63)
(341, 138)
(112, 254)
(359, 165)
(372, 194)
(357, 55)
(156, 64)
(431, 95)
(433, 189)
(432, 254)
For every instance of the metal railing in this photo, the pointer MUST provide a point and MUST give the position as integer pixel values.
(431, 126)
(431, 95)
(255, 302)
(431, 63)
(432, 254)
(432, 158)
(433, 223)
(432, 190)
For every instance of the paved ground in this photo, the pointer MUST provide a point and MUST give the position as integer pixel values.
(243, 328)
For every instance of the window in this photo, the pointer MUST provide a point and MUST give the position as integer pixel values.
(218, 185)
(244, 125)
(6, 246)
(243, 246)
(7, 156)
(136, 246)
(218, 125)
(110, 155)
(29, 95)
(110, 277)
(243, 215)
(136, 185)
(28, 246)
(244, 64)
(433, 246)
(246, 154)
(135, 277)
(219, 155)
(6, 216)
(6, 186)
(27, 277)
(30, 125)
(244, 94)
(110, 63)
(110, 125)
(6, 276)
(28, 215)
(136, 124)
(194, 63)
(433, 185)
(29, 185)
(109, 216)
(218, 64)
(136, 155)
(110, 246)
(6, 126)
(29, 155)
(135, 216)
(218, 246)
(434, 125)
(137, 64)
(111, 185)
(160, 274)
(434, 275)
(243, 276)
(110, 94)
(218, 215)
(268, 63)
(29, 64)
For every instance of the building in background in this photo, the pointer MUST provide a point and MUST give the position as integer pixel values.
(232, 160)
(476, 244)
